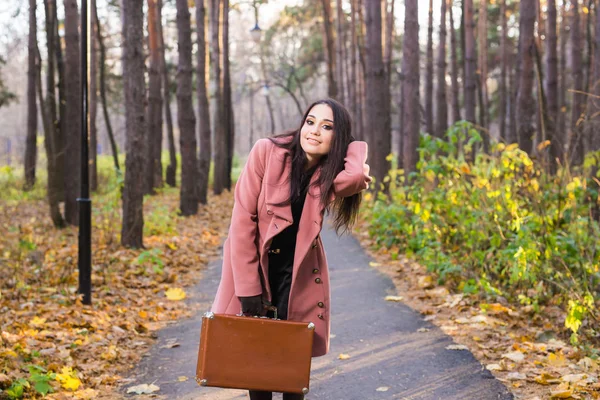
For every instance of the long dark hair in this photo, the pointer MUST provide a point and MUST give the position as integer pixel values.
(344, 209)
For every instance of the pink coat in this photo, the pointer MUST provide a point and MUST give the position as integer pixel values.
(256, 219)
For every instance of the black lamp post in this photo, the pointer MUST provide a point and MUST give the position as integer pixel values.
(85, 203)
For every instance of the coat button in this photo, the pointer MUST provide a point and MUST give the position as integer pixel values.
(315, 271)
(321, 304)
(320, 316)
(318, 280)
(270, 212)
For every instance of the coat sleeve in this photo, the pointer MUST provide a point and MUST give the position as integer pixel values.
(244, 223)
(355, 176)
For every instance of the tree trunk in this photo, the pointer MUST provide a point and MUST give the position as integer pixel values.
(93, 93)
(332, 90)
(339, 28)
(205, 151)
(410, 88)
(61, 129)
(353, 89)
(429, 74)
(172, 167)
(73, 112)
(454, 67)
(470, 68)
(185, 113)
(562, 88)
(551, 84)
(594, 104)
(109, 130)
(50, 145)
(503, 93)
(378, 112)
(483, 65)
(153, 173)
(31, 140)
(442, 105)
(525, 101)
(217, 94)
(229, 120)
(133, 86)
(578, 105)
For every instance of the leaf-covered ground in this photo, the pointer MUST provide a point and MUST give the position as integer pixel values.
(528, 351)
(49, 342)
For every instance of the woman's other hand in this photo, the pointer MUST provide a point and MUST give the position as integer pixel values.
(252, 305)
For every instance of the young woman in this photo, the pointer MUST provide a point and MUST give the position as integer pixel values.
(273, 253)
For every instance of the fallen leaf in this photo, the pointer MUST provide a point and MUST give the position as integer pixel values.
(175, 294)
(143, 389)
(516, 376)
(457, 347)
(425, 282)
(394, 298)
(182, 378)
(494, 367)
(515, 356)
(382, 389)
(68, 379)
(374, 264)
(344, 356)
(556, 360)
(422, 330)
(546, 379)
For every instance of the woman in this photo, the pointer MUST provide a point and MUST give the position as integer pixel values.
(274, 254)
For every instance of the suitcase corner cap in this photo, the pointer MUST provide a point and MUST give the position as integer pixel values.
(304, 390)
(202, 382)
(209, 315)
(311, 326)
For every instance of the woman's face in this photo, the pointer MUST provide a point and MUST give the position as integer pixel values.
(317, 133)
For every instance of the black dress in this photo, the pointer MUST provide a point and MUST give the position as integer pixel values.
(281, 252)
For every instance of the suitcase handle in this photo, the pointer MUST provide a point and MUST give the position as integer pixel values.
(267, 307)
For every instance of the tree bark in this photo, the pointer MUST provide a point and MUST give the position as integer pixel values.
(103, 99)
(60, 132)
(134, 91)
(354, 68)
(31, 140)
(50, 145)
(578, 105)
(229, 120)
(551, 84)
(410, 67)
(470, 84)
(153, 173)
(205, 151)
(442, 105)
(562, 73)
(73, 112)
(378, 112)
(185, 113)
(332, 90)
(218, 118)
(93, 99)
(339, 28)
(503, 69)
(454, 67)
(429, 74)
(483, 65)
(172, 167)
(594, 104)
(525, 101)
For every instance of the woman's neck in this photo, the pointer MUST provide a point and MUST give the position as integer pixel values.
(311, 161)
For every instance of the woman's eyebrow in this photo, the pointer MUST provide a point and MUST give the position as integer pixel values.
(324, 119)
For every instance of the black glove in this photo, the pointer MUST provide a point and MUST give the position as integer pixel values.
(252, 305)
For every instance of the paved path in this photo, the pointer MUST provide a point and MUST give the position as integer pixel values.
(381, 337)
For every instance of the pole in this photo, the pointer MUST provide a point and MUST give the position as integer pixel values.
(85, 203)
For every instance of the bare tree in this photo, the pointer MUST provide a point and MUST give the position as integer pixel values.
(410, 88)
(188, 202)
(503, 69)
(218, 118)
(594, 102)
(339, 48)
(453, 67)
(31, 140)
(378, 114)
(578, 105)
(470, 82)
(483, 63)
(229, 120)
(525, 102)
(429, 74)
(134, 90)
(73, 112)
(93, 100)
(551, 83)
(442, 105)
(153, 173)
(332, 90)
(204, 153)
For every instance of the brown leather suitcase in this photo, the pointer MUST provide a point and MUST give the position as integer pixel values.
(254, 353)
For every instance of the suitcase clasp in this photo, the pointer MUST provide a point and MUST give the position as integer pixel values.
(209, 315)
(311, 326)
